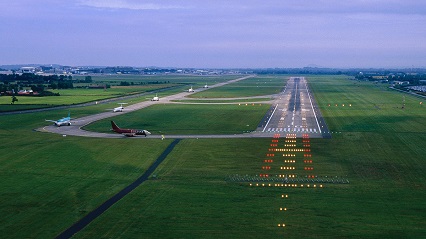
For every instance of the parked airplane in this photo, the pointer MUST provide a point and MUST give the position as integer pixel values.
(63, 121)
(190, 89)
(129, 132)
(156, 98)
(206, 86)
(119, 108)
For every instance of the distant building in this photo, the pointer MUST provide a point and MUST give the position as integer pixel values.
(401, 82)
(97, 86)
(418, 88)
(28, 69)
(27, 92)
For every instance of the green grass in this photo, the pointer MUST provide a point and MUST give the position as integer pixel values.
(224, 101)
(383, 161)
(173, 79)
(374, 108)
(82, 95)
(73, 96)
(50, 181)
(189, 119)
(255, 86)
(191, 198)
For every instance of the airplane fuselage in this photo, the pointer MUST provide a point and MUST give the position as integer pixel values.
(118, 109)
(129, 132)
(63, 121)
(58, 123)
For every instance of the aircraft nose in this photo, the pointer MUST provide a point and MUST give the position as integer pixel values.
(147, 132)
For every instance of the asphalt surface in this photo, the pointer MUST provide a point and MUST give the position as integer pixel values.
(294, 111)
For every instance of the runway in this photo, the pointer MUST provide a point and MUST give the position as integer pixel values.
(293, 112)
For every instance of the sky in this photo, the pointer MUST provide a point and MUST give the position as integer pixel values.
(215, 34)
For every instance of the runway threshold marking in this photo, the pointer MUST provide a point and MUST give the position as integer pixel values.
(82, 223)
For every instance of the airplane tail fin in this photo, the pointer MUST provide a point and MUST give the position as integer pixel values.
(114, 126)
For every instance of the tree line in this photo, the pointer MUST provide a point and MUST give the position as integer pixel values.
(413, 79)
(37, 83)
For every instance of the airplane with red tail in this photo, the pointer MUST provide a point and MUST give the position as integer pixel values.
(129, 132)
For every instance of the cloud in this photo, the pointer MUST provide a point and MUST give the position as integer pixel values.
(125, 4)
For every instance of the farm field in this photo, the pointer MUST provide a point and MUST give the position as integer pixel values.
(50, 181)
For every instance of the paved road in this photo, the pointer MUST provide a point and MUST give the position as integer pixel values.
(294, 111)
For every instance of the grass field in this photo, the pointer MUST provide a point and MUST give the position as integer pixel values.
(50, 181)
(82, 95)
(146, 79)
(189, 119)
(255, 86)
(219, 100)
(73, 96)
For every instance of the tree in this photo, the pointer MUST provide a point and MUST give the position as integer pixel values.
(14, 99)
(37, 88)
(53, 85)
(88, 79)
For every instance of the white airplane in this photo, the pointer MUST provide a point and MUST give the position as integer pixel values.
(190, 89)
(63, 121)
(206, 86)
(156, 98)
(119, 108)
